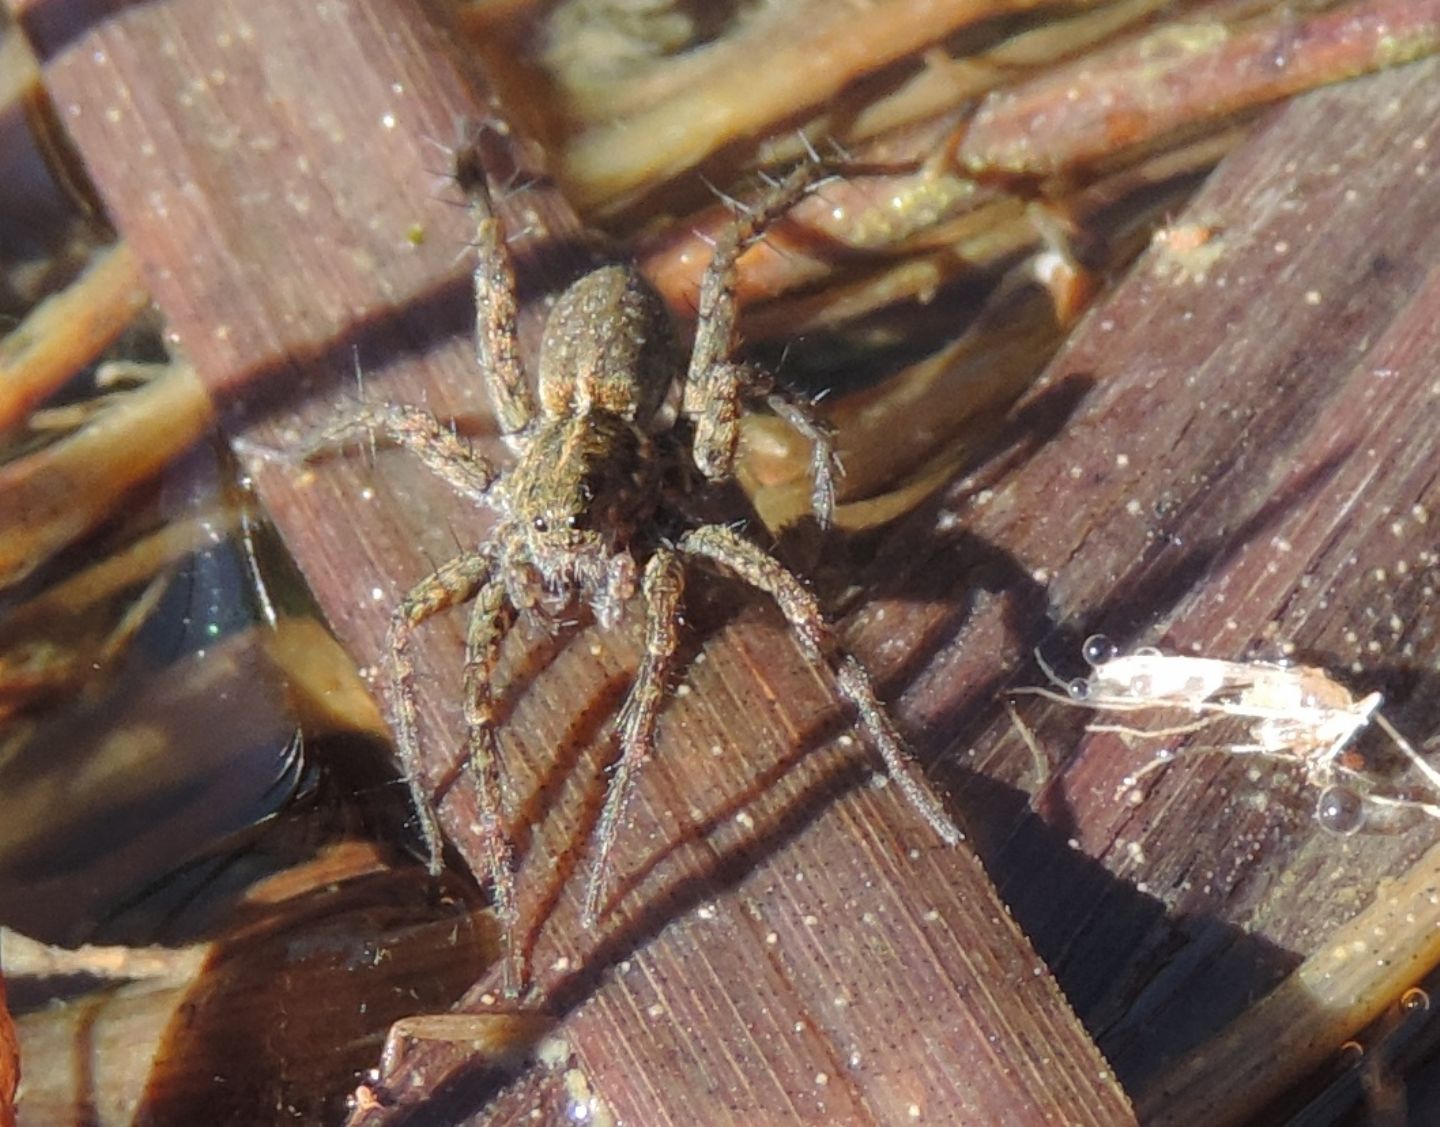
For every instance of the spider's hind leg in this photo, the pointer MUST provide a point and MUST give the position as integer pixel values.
(491, 617)
(746, 561)
(664, 586)
(449, 586)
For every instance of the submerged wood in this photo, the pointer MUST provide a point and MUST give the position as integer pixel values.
(767, 885)
(1234, 454)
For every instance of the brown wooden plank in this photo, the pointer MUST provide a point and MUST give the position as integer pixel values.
(794, 941)
(1252, 467)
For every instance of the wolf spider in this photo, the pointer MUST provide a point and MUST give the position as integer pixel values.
(582, 513)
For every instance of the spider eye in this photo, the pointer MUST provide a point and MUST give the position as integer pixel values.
(540, 524)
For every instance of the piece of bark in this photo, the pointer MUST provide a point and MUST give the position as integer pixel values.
(68, 331)
(1186, 74)
(324, 956)
(790, 941)
(52, 499)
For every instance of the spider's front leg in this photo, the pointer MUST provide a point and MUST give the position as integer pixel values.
(438, 447)
(454, 583)
(664, 586)
(497, 334)
(716, 386)
(744, 560)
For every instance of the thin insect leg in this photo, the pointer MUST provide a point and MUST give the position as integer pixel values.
(497, 336)
(722, 546)
(1048, 694)
(441, 450)
(491, 617)
(1430, 773)
(451, 585)
(663, 587)
(1064, 696)
(1427, 808)
(1160, 762)
(1150, 767)
(1037, 753)
(824, 464)
(1175, 730)
(714, 386)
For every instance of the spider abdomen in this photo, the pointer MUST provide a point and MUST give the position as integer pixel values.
(607, 347)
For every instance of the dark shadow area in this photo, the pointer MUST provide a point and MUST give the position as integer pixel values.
(1108, 943)
(52, 26)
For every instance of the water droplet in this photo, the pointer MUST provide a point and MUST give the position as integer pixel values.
(1098, 649)
(1340, 810)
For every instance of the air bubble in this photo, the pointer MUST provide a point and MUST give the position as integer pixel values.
(1098, 649)
(1415, 1000)
(1340, 810)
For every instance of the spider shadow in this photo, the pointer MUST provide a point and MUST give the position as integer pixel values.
(474, 1083)
(708, 613)
(775, 826)
(590, 744)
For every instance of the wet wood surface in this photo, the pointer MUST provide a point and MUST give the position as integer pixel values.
(790, 939)
(1250, 472)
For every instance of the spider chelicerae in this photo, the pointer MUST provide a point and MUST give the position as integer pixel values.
(589, 513)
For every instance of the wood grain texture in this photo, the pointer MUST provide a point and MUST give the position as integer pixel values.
(790, 939)
(1252, 467)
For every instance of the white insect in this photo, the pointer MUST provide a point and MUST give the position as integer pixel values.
(1297, 713)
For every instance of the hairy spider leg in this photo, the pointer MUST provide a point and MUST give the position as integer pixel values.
(715, 385)
(825, 464)
(723, 547)
(491, 618)
(496, 303)
(453, 583)
(438, 447)
(663, 588)
(467, 576)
